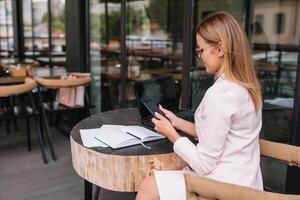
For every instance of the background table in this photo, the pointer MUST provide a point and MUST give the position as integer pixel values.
(121, 169)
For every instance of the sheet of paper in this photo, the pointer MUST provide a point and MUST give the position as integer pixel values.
(88, 138)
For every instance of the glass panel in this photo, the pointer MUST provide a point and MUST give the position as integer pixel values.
(2, 26)
(6, 29)
(275, 30)
(10, 30)
(40, 26)
(104, 53)
(200, 81)
(27, 27)
(154, 42)
(58, 26)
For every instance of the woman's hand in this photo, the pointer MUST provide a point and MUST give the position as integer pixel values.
(170, 115)
(164, 127)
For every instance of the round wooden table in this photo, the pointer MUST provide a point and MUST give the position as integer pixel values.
(122, 169)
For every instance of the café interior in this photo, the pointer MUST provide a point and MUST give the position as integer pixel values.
(110, 46)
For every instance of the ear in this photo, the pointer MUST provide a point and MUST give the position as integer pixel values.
(220, 50)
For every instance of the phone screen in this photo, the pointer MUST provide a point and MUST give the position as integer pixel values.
(152, 107)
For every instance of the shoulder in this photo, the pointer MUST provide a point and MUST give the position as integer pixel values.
(225, 89)
(225, 96)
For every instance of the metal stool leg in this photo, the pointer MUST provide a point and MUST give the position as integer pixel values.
(13, 103)
(28, 133)
(40, 138)
(88, 190)
(48, 133)
(7, 127)
(96, 195)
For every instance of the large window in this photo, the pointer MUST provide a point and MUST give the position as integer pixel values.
(40, 25)
(27, 25)
(153, 44)
(58, 26)
(36, 24)
(154, 41)
(105, 53)
(6, 28)
(275, 37)
(200, 81)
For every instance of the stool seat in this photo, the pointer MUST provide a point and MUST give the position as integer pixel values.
(11, 90)
(59, 83)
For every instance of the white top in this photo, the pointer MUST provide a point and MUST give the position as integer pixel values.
(228, 129)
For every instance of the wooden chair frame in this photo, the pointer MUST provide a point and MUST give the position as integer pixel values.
(204, 188)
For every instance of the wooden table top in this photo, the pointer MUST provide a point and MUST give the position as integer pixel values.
(122, 117)
(122, 169)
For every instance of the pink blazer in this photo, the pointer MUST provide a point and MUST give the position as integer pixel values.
(228, 131)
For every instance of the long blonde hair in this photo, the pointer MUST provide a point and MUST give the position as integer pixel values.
(221, 27)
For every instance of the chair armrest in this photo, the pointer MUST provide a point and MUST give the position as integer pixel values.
(198, 187)
(284, 152)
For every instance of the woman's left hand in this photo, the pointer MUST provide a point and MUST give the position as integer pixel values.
(164, 127)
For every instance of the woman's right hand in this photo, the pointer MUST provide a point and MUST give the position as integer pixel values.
(170, 115)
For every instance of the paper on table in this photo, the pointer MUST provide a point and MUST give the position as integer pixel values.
(88, 138)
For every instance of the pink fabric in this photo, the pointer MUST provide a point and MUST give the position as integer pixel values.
(66, 96)
(228, 131)
(72, 96)
(79, 98)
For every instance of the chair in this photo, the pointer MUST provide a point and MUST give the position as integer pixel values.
(14, 112)
(54, 107)
(204, 188)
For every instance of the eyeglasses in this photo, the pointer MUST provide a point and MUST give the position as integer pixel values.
(199, 51)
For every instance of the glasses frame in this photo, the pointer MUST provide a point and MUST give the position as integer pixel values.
(199, 51)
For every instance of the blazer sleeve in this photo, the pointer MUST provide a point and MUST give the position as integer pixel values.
(213, 121)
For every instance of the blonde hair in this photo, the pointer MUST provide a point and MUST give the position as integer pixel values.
(221, 27)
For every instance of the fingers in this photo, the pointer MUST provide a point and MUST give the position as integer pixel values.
(165, 111)
(154, 120)
(162, 109)
(158, 116)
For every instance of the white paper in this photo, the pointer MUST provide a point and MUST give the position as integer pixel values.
(88, 138)
(141, 132)
(117, 136)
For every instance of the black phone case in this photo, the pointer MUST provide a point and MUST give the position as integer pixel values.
(152, 108)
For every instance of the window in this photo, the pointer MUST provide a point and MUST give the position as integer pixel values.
(258, 24)
(279, 23)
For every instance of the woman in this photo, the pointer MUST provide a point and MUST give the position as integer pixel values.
(227, 121)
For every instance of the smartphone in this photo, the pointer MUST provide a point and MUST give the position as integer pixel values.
(152, 108)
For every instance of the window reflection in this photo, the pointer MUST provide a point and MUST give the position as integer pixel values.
(200, 81)
(58, 26)
(27, 25)
(40, 25)
(104, 53)
(35, 27)
(275, 36)
(6, 29)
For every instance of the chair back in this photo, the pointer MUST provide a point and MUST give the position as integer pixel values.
(198, 187)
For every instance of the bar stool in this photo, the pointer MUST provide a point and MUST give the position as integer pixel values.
(13, 112)
(53, 106)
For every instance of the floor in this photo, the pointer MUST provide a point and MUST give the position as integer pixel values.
(24, 176)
